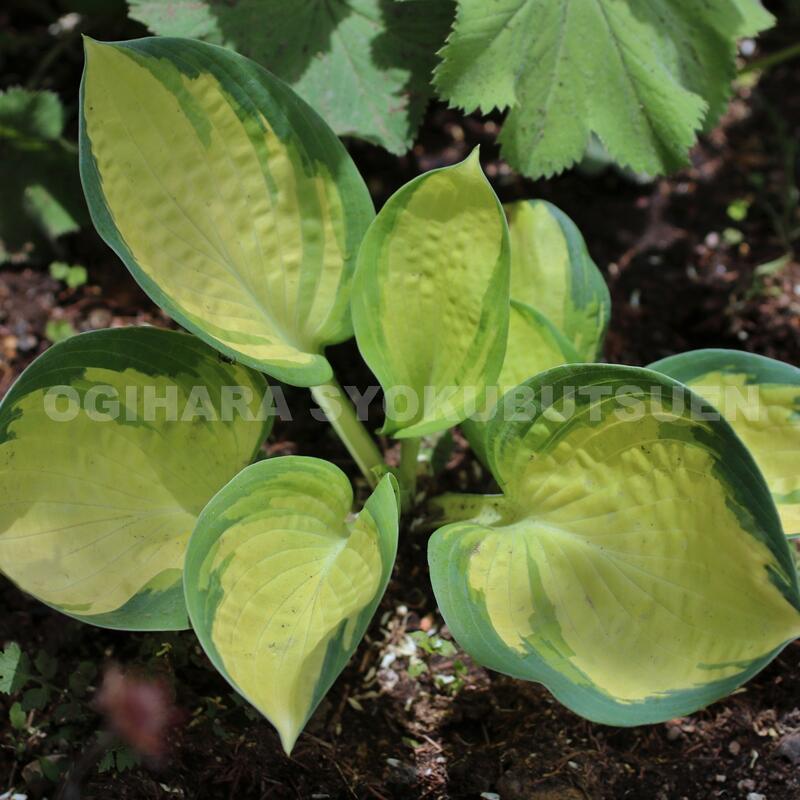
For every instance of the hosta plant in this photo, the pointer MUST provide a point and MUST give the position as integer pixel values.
(633, 559)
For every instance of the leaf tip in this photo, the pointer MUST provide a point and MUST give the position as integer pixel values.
(474, 158)
(95, 50)
(471, 167)
(288, 741)
(90, 45)
(289, 729)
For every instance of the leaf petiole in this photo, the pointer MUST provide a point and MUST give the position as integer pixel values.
(338, 408)
(407, 471)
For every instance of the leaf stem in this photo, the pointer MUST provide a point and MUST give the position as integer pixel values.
(338, 408)
(407, 471)
(772, 60)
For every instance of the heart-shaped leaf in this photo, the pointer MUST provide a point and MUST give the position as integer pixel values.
(534, 345)
(430, 298)
(636, 565)
(229, 199)
(111, 443)
(760, 397)
(282, 581)
(552, 271)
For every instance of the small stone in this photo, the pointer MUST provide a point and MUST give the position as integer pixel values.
(518, 784)
(747, 47)
(388, 679)
(734, 748)
(10, 347)
(746, 785)
(720, 778)
(99, 318)
(400, 772)
(388, 659)
(37, 784)
(756, 796)
(673, 733)
(26, 342)
(789, 747)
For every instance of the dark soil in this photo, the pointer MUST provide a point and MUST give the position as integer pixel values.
(683, 274)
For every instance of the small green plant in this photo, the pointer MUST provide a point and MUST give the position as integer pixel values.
(17, 673)
(119, 759)
(42, 709)
(634, 559)
(73, 275)
(41, 197)
(58, 330)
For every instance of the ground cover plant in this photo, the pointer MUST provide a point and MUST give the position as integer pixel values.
(643, 78)
(240, 213)
(588, 558)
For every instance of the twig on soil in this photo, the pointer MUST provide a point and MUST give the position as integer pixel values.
(70, 788)
(344, 780)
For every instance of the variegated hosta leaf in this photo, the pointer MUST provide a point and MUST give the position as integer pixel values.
(760, 397)
(534, 345)
(111, 443)
(430, 298)
(230, 200)
(560, 303)
(282, 581)
(552, 271)
(636, 567)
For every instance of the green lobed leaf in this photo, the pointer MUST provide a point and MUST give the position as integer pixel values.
(46, 665)
(14, 666)
(282, 581)
(599, 572)
(35, 699)
(73, 275)
(111, 443)
(364, 65)
(30, 115)
(430, 298)
(760, 398)
(17, 717)
(233, 204)
(643, 76)
(40, 198)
